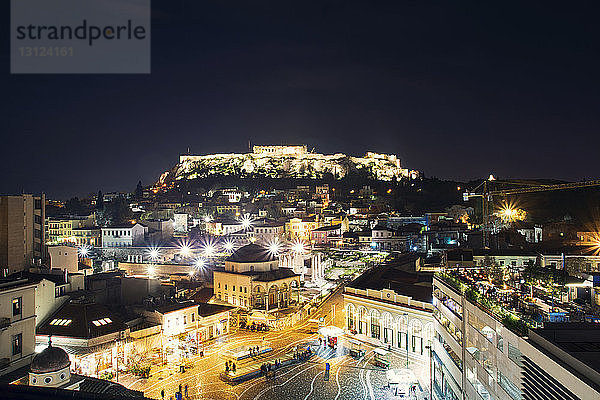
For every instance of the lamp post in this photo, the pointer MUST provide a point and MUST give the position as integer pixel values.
(406, 338)
(430, 372)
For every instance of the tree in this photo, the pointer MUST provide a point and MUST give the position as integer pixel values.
(73, 206)
(139, 191)
(119, 211)
(100, 200)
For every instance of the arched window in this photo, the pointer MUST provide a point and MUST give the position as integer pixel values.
(416, 333)
(388, 331)
(362, 320)
(375, 324)
(350, 311)
(402, 331)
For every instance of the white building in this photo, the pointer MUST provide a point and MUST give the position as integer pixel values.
(124, 235)
(17, 324)
(252, 279)
(476, 356)
(392, 307)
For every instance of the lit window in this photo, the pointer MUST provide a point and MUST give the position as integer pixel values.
(102, 321)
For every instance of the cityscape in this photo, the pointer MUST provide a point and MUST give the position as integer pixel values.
(296, 213)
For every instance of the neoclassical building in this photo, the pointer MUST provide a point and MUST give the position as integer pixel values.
(252, 279)
(392, 306)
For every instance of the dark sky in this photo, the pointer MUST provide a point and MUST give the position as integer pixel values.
(456, 90)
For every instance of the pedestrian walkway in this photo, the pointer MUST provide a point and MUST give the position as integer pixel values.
(252, 368)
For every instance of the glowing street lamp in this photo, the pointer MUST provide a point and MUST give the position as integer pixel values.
(200, 263)
(246, 222)
(153, 253)
(185, 250)
(209, 249)
(228, 245)
(83, 251)
(274, 247)
(298, 247)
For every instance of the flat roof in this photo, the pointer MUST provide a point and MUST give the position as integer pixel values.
(400, 277)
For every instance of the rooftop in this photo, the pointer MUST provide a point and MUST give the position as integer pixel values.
(82, 320)
(251, 253)
(398, 276)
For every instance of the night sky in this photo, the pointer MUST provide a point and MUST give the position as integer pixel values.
(457, 91)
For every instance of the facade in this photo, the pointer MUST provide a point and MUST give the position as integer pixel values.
(475, 355)
(17, 324)
(279, 150)
(252, 279)
(64, 258)
(124, 235)
(327, 235)
(94, 336)
(61, 230)
(22, 232)
(267, 232)
(87, 236)
(223, 226)
(384, 238)
(300, 228)
(393, 307)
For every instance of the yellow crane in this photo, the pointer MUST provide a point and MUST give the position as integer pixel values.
(487, 194)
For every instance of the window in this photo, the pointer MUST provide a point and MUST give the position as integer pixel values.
(185, 320)
(48, 379)
(102, 321)
(500, 344)
(245, 289)
(17, 306)
(514, 354)
(225, 286)
(60, 322)
(233, 288)
(17, 344)
(192, 317)
(241, 289)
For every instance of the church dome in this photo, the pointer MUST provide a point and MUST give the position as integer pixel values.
(251, 253)
(51, 359)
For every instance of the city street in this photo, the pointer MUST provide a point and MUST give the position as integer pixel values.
(349, 378)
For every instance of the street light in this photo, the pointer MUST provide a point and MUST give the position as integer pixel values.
(430, 372)
(153, 253)
(406, 338)
(83, 250)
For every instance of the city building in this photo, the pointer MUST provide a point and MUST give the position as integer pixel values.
(252, 279)
(124, 235)
(95, 337)
(327, 235)
(17, 324)
(300, 228)
(22, 232)
(392, 305)
(88, 236)
(489, 343)
(61, 229)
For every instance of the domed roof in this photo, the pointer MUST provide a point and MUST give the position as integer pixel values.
(51, 359)
(251, 253)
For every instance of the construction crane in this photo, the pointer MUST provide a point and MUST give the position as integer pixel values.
(487, 195)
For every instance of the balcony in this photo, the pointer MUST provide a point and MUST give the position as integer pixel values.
(4, 323)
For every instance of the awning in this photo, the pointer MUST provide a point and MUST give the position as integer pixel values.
(331, 331)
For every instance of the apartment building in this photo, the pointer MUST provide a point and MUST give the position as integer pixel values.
(487, 347)
(22, 232)
(17, 324)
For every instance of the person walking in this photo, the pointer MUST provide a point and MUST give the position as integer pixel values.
(186, 390)
(162, 394)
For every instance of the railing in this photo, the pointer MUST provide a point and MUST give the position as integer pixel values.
(518, 324)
